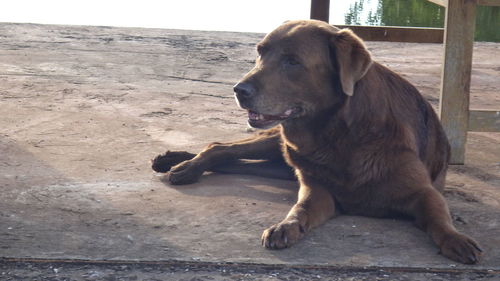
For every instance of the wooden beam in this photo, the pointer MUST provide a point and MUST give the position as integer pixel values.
(320, 10)
(455, 83)
(397, 34)
(444, 3)
(484, 121)
(488, 2)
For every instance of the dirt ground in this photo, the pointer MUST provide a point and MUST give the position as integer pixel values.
(84, 109)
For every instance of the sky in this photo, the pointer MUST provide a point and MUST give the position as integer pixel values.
(222, 15)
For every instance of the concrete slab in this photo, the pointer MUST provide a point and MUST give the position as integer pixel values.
(84, 109)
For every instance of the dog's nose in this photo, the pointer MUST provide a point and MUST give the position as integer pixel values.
(244, 90)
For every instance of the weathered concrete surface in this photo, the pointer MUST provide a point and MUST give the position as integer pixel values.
(84, 109)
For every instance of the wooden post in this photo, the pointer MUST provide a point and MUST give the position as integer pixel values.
(455, 84)
(320, 10)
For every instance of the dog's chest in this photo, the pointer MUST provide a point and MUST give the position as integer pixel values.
(331, 169)
(321, 164)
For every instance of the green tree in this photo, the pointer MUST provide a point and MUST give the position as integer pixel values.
(421, 13)
(353, 15)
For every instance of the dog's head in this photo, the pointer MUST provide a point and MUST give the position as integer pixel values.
(303, 67)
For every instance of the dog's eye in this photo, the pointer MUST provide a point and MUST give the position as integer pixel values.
(290, 61)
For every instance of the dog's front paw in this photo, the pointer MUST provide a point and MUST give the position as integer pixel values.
(461, 248)
(185, 173)
(283, 234)
(164, 162)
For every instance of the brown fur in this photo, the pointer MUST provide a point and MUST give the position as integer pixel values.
(360, 138)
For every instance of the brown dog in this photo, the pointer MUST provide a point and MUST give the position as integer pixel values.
(360, 138)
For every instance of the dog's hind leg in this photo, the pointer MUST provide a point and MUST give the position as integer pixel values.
(423, 201)
(432, 215)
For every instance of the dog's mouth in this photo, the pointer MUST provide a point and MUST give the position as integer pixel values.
(264, 121)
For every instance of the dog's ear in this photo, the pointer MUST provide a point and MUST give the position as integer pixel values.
(352, 58)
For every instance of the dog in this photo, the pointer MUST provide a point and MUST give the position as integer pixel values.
(359, 138)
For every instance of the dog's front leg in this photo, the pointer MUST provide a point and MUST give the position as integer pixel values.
(265, 145)
(314, 206)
